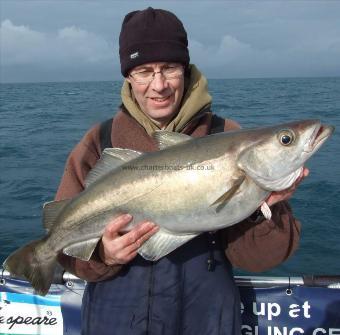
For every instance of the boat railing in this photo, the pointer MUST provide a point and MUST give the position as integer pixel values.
(329, 281)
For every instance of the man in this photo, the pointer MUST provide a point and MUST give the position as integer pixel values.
(190, 291)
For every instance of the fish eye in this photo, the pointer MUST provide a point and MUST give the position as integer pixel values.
(286, 137)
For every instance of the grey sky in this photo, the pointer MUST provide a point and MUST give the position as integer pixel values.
(78, 40)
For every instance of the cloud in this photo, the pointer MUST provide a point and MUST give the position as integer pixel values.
(232, 57)
(70, 45)
(19, 44)
(264, 40)
(229, 50)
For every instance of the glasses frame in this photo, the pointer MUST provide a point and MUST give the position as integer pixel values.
(147, 82)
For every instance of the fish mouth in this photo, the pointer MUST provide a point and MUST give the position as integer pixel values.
(318, 137)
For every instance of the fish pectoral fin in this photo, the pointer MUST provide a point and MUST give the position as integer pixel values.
(166, 138)
(162, 243)
(82, 250)
(110, 159)
(51, 210)
(225, 197)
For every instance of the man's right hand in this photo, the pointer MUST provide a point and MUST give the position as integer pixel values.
(117, 248)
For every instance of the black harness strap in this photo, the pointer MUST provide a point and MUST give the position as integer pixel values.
(105, 134)
(217, 124)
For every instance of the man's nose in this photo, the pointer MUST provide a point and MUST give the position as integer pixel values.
(159, 83)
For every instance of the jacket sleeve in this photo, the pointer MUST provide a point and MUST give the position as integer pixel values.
(80, 161)
(259, 246)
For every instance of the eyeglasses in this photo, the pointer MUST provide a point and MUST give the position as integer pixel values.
(146, 76)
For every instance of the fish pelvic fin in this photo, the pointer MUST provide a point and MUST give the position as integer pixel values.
(225, 197)
(162, 243)
(35, 263)
(82, 250)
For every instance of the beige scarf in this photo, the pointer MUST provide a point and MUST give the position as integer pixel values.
(195, 99)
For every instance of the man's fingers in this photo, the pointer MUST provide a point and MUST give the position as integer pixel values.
(135, 234)
(116, 248)
(120, 249)
(134, 246)
(305, 172)
(112, 229)
(146, 236)
(127, 253)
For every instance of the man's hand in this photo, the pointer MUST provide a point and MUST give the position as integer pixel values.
(276, 197)
(117, 248)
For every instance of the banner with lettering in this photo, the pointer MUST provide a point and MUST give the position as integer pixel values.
(280, 310)
(290, 311)
(27, 314)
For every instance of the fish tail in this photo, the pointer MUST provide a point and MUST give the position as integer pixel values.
(36, 263)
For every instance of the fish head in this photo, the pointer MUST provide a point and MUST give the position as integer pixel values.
(275, 155)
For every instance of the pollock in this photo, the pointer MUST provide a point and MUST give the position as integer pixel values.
(187, 187)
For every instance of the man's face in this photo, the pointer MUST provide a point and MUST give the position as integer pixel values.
(159, 99)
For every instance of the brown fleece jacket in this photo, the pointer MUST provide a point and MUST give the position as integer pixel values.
(248, 245)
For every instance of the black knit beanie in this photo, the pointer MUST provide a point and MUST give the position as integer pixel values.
(152, 35)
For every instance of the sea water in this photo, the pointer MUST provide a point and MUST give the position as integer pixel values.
(41, 122)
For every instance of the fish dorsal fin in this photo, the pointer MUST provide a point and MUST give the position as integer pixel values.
(225, 197)
(110, 159)
(51, 210)
(166, 138)
(162, 243)
(82, 250)
(124, 155)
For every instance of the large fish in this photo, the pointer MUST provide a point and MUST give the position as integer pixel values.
(187, 187)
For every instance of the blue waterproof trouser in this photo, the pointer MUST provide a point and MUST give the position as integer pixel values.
(189, 292)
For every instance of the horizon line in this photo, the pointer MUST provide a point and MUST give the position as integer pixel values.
(122, 79)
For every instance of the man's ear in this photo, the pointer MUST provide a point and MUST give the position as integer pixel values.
(128, 79)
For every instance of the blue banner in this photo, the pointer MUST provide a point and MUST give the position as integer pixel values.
(280, 310)
(294, 311)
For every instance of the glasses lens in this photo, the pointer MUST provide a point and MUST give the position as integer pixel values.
(172, 72)
(142, 77)
(145, 77)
